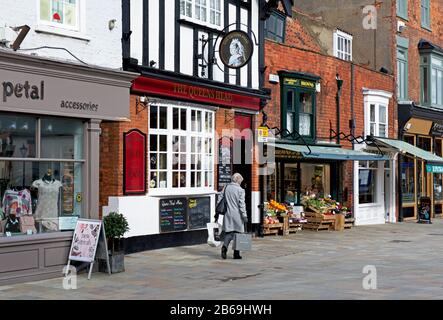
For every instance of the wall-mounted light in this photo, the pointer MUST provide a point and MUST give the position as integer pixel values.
(21, 36)
(111, 24)
(141, 103)
(408, 126)
(152, 63)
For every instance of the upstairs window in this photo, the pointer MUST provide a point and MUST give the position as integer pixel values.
(402, 9)
(60, 13)
(431, 73)
(426, 14)
(275, 27)
(206, 11)
(343, 45)
(298, 107)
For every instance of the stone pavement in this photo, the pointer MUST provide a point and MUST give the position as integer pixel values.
(308, 265)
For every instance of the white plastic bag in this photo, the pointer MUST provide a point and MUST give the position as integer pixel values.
(214, 229)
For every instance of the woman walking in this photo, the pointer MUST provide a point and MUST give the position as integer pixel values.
(235, 216)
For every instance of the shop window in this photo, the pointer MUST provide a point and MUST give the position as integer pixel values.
(188, 140)
(60, 13)
(426, 14)
(275, 27)
(367, 181)
(407, 179)
(438, 177)
(431, 73)
(315, 179)
(17, 136)
(61, 138)
(208, 12)
(343, 45)
(298, 112)
(44, 193)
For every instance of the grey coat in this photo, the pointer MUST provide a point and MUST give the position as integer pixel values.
(235, 215)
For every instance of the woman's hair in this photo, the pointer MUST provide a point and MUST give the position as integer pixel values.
(237, 178)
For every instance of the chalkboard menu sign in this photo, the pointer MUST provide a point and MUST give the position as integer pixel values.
(224, 162)
(199, 211)
(173, 215)
(424, 210)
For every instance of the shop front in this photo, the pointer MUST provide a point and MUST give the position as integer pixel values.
(305, 175)
(185, 154)
(50, 114)
(421, 161)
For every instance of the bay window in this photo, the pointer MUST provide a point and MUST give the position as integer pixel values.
(181, 149)
(431, 73)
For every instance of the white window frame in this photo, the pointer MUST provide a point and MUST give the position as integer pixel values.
(208, 12)
(377, 98)
(170, 133)
(59, 29)
(377, 195)
(341, 54)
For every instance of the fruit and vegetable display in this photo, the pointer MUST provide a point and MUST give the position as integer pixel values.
(325, 205)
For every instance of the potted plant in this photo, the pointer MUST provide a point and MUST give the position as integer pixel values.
(116, 226)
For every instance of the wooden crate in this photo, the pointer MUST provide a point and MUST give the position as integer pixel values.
(272, 229)
(319, 221)
(349, 223)
(294, 227)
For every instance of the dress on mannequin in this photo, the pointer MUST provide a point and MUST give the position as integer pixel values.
(48, 200)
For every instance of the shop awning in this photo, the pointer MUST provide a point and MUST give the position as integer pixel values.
(331, 153)
(405, 147)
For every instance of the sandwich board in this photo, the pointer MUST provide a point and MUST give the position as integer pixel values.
(88, 243)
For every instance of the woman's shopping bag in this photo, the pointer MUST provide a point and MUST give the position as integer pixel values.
(214, 231)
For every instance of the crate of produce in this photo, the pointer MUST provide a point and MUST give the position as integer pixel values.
(272, 229)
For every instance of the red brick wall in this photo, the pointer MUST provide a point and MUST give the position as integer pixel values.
(111, 151)
(298, 58)
(414, 32)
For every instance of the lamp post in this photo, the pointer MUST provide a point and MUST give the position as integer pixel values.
(337, 100)
(23, 151)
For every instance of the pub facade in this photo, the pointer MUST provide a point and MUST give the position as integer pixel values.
(201, 75)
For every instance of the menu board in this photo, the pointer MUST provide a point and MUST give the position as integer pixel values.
(224, 162)
(424, 210)
(199, 212)
(173, 215)
(85, 240)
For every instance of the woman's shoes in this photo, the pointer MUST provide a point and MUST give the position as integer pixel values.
(224, 250)
(237, 254)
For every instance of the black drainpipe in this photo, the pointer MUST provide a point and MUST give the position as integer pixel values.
(337, 100)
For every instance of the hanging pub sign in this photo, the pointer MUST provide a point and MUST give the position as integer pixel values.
(134, 162)
(236, 49)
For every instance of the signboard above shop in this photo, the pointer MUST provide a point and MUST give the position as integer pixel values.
(44, 86)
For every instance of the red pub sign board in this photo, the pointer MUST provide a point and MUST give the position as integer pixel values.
(134, 162)
(178, 90)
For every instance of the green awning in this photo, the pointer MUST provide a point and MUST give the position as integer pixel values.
(330, 153)
(405, 147)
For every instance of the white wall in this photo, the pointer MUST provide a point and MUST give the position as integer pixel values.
(142, 213)
(98, 45)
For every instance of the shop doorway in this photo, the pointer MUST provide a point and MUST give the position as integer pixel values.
(243, 141)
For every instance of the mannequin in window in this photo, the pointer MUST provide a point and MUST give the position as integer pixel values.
(47, 210)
